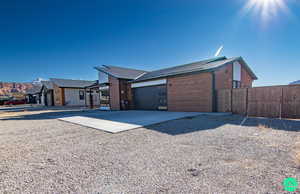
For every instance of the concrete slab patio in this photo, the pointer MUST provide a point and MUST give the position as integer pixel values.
(118, 121)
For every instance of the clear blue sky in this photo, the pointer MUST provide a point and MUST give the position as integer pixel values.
(67, 38)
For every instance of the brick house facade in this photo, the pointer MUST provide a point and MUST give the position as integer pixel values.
(190, 87)
(198, 95)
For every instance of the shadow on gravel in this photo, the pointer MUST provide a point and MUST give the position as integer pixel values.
(194, 124)
(47, 115)
(199, 123)
(38, 108)
(276, 124)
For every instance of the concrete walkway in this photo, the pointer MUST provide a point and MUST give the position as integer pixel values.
(118, 121)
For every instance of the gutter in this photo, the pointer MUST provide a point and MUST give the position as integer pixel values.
(200, 71)
(107, 73)
(110, 74)
(214, 93)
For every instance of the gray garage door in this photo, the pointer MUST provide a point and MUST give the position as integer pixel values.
(150, 98)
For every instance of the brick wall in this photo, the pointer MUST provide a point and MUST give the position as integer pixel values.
(114, 93)
(246, 79)
(190, 93)
(130, 97)
(125, 95)
(223, 77)
(58, 94)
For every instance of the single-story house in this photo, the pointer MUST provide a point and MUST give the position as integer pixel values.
(67, 92)
(189, 87)
(47, 93)
(93, 95)
(33, 95)
(115, 87)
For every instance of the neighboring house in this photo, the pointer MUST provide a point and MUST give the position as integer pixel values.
(115, 87)
(33, 95)
(295, 82)
(190, 87)
(93, 95)
(67, 92)
(47, 93)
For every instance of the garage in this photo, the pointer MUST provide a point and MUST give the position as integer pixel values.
(150, 97)
(74, 97)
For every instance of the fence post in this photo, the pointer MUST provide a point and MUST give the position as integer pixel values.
(247, 102)
(231, 92)
(281, 102)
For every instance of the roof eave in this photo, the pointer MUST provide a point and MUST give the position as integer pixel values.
(205, 70)
(110, 74)
(115, 76)
(170, 75)
(252, 74)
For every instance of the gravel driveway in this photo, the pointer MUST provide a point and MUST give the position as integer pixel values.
(204, 154)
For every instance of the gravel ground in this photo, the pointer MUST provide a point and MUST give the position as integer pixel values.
(204, 154)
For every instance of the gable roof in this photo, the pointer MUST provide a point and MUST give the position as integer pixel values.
(34, 90)
(205, 65)
(120, 72)
(69, 83)
(47, 84)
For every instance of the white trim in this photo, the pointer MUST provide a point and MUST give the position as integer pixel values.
(149, 83)
(104, 88)
(237, 71)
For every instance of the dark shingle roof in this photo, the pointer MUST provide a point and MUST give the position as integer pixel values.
(120, 72)
(34, 90)
(69, 83)
(47, 84)
(205, 65)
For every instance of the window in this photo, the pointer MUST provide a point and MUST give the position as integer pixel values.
(81, 95)
(104, 97)
(236, 84)
(236, 75)
(103, 77)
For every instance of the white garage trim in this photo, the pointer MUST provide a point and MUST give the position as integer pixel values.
(149, 83)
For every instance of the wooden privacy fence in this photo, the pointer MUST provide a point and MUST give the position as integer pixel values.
(269, 101)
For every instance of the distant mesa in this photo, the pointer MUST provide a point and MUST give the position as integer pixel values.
(14, 88)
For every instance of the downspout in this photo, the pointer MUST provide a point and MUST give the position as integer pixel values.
(91, 99)
(214, 95)
(85, 97)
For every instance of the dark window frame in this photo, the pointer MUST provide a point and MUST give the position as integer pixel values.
(236, 84)
(81, 95)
